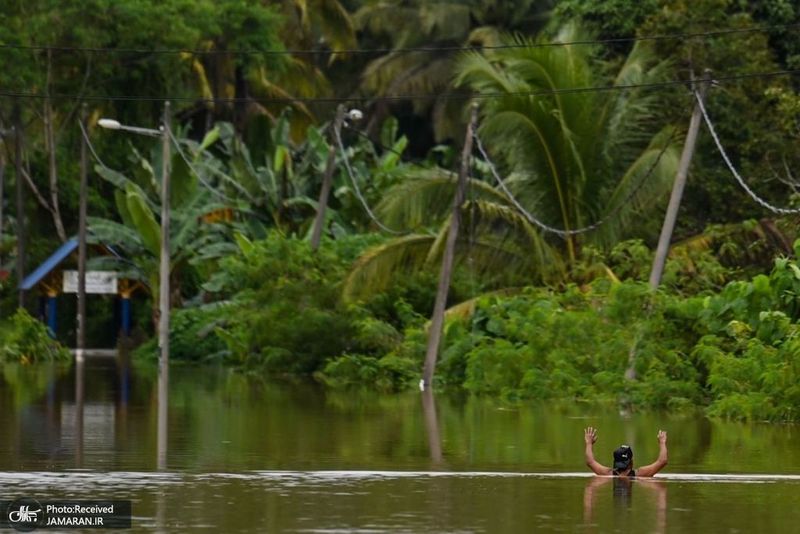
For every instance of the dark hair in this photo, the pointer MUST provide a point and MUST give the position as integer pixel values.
(623, 457)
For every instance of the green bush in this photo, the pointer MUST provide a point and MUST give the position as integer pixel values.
(285, 314)
(25, 340)
(193, 336)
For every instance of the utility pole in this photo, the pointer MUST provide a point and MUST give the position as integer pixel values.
(327, 180)
(80, 344)
(20, 184)
(680, 182)
(4, 133)
(164, 289)
(2, 189)
(437, 320)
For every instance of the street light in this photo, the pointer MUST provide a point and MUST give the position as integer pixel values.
(4, 132)
(163, 293)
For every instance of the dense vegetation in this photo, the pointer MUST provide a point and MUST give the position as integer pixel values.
(532, 315)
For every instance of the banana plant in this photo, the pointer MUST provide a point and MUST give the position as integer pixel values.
(196, 241)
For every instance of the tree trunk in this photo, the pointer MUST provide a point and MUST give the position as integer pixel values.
(51, 153)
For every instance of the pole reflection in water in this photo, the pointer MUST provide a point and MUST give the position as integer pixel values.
(163, 385)
(161, 511)
(623, 497)
(79, 396)
(432, 427)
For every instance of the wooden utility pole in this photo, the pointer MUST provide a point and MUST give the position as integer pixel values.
(680, 182)
(163, 294)
(437, 320)
(327, 180)
(20, 186)
(80, 343)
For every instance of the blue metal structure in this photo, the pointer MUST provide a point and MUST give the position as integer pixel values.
(48, 304)
(49, 264)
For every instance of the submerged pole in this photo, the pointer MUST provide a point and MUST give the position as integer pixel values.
(327, 180)
(164, 290)
(80, 344)
(677, 189)
(20, 192)
(437, 320)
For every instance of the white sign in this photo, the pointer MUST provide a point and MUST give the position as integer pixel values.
(98, 282)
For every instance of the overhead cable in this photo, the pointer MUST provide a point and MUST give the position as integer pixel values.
(338, 138)
(413, 96)
(386, 50)
(564, 233)
(739, 179)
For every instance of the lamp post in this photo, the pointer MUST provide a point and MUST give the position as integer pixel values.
(80, 344)
(4, 132)
(20, 191)
(163, 293)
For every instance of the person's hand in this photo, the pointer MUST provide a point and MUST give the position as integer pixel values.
(590, 435)
(662, 437)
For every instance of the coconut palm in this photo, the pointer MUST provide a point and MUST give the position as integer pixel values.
(570, 158)
(432, 25)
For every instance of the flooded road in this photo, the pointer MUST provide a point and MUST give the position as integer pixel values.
(247, 455)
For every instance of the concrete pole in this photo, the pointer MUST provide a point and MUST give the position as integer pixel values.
(327, 180)
(80, 344)
(164, 290)
(677, 189)
(2, 188)
(20, 204)
(437, 320)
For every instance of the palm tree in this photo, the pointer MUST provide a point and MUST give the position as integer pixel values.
(438, 27)
(571, 158)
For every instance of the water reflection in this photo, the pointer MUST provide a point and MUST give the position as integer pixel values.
(80, 370)
(163, 412)
(622, 491)
(432, 428)
(104, 416)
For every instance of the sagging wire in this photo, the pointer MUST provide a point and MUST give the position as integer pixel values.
(338, 139)
(567, 233)
(208, 186)
(739, 179)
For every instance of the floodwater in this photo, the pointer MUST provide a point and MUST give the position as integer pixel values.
(245, 455)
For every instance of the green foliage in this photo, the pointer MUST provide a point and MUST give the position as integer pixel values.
(285, 315)
(611, 19)
(192, 336)
(389, 373)
(25, 340)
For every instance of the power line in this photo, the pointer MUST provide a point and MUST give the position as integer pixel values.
(567, 233)
(739, 179)
(354, 51)
(338, 139)
(185, 159)
(413, 96)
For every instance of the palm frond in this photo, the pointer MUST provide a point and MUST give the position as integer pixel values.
(497, 241)
(336, 25)
(465, 310)
(372, 272)
(426, 197)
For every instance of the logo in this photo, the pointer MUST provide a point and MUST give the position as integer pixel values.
(25, 515)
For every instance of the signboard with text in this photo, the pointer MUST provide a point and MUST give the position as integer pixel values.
(97, 282)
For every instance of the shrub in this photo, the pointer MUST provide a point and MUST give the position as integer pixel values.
(25, 340)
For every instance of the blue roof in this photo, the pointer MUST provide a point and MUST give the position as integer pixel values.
(49, 264)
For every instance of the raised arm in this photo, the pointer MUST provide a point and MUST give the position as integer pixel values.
(590, 436)
(658, 465)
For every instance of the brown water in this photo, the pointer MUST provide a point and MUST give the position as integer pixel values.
(248, 455)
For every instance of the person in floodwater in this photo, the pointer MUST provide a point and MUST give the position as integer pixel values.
(623, 458)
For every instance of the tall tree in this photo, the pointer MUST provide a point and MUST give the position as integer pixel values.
(437, 26)
(570, 158)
